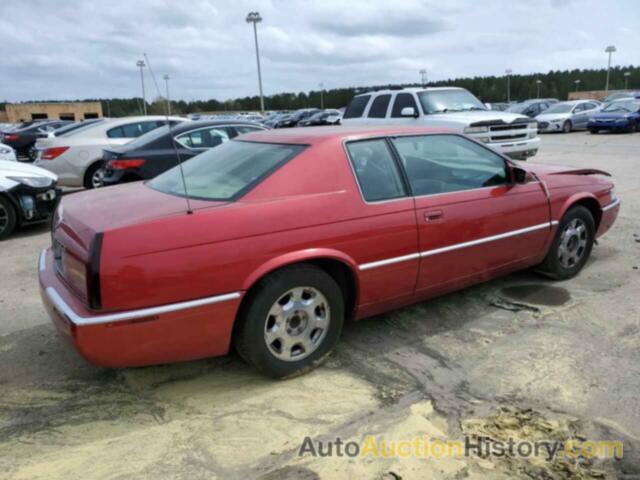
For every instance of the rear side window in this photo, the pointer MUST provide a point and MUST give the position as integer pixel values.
(357, 106)
(403, 100)
(204, 138)
(376, 170)
(379, 106)
(134, 130)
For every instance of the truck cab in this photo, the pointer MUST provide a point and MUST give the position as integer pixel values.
(450, 108)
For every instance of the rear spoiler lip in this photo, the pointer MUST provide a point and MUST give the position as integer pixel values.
(582, 171)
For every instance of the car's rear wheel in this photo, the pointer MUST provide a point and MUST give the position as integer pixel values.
(8, 218)
(94, 177)
(566, 126)
(290, 321)
(571, 246)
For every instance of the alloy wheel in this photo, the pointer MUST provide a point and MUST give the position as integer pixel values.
(297, 323)
(573, 243)
(97, 180)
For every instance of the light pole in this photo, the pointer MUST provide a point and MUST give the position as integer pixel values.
(423, 77)
(577, 82)
(321, 85)
(508, 71)
(166, 82)
(610, 49)
(538, 82)
(626, 80)
(254, 17)
(141, 65)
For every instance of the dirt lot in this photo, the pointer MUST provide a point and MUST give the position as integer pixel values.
(520, 356)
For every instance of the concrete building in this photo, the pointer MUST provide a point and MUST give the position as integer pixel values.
(76, 111)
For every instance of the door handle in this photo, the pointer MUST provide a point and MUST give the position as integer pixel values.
(433, 215)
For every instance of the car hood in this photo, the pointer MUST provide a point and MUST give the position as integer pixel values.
(480, 117)
(611, 115)
(19, 169)
(550, 117)
(546, 170)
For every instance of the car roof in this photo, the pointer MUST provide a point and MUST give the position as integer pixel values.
(408, 90)
(314, 135)
(184, 126)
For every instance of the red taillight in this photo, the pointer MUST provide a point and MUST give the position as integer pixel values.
(51, 153)
(125, 164)
(11, 137)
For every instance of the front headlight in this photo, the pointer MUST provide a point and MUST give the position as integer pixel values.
(5, 151)
(476, 129)
(35, 182)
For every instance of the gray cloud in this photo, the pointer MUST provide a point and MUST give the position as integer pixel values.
(88, 48)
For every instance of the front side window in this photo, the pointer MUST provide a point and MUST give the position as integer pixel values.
(403, 100)
(227, 172)
(376, 170)
(357, 106)
(379, 106)
(448, 163)
(246, 129)
(203, 138)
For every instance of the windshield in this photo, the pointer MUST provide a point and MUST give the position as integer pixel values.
(622, 106)
(518, 107)
(227, 171)
(439, 101)
(560, 108)
(147, 138)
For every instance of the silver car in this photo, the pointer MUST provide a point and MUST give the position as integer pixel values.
(567, 116)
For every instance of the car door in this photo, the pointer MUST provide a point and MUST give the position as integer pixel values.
(473, 222)
(382, 238)
(400, 102)
(589, 109)
(579, 117)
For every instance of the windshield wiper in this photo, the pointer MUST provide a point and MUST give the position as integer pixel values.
(445, 110)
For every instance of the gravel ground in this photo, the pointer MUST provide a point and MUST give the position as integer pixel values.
(520, 356)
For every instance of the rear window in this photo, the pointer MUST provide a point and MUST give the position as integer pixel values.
(357, 106)
(379, 106)
(226, 172)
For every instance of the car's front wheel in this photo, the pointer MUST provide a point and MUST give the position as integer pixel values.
(290, 321)
(571, 246)
(593, 130)
(566, 127)
(8, 218)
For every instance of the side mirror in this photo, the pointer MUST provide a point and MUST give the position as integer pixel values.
(519, 175)
(408, 112)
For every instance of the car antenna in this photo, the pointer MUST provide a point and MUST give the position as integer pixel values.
(173, 140)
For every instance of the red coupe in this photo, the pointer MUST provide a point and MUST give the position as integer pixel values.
(287, 233)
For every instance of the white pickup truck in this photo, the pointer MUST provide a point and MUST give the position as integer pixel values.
(448, 108)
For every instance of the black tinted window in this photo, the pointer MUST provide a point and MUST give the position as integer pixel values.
(403, 100)
(377, 172)
(379, 106)
(448, 163)
(357, 106)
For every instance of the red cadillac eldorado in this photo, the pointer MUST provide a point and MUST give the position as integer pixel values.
(285, 234)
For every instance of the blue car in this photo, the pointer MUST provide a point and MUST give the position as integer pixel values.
(620, 116)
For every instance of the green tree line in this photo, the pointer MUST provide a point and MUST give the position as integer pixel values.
(555, 84)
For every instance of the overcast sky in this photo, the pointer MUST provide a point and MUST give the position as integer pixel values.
(88, 48)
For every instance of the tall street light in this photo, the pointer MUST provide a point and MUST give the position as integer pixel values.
(610, 49)
(140, 64)
(577, 82)
(423, 77)
(254, 17)
(321, 85)
(166, 82)
(626, 80)
(538, 82)
(508, 72)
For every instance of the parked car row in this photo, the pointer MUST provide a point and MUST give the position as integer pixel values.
(22, 137)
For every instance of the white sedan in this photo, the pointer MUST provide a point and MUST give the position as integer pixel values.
(76, 157)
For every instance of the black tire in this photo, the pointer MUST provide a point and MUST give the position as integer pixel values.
(8, 218)
(90, 173)
(555, 265)
(593, 130)
(254, 319)
(567, 126)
